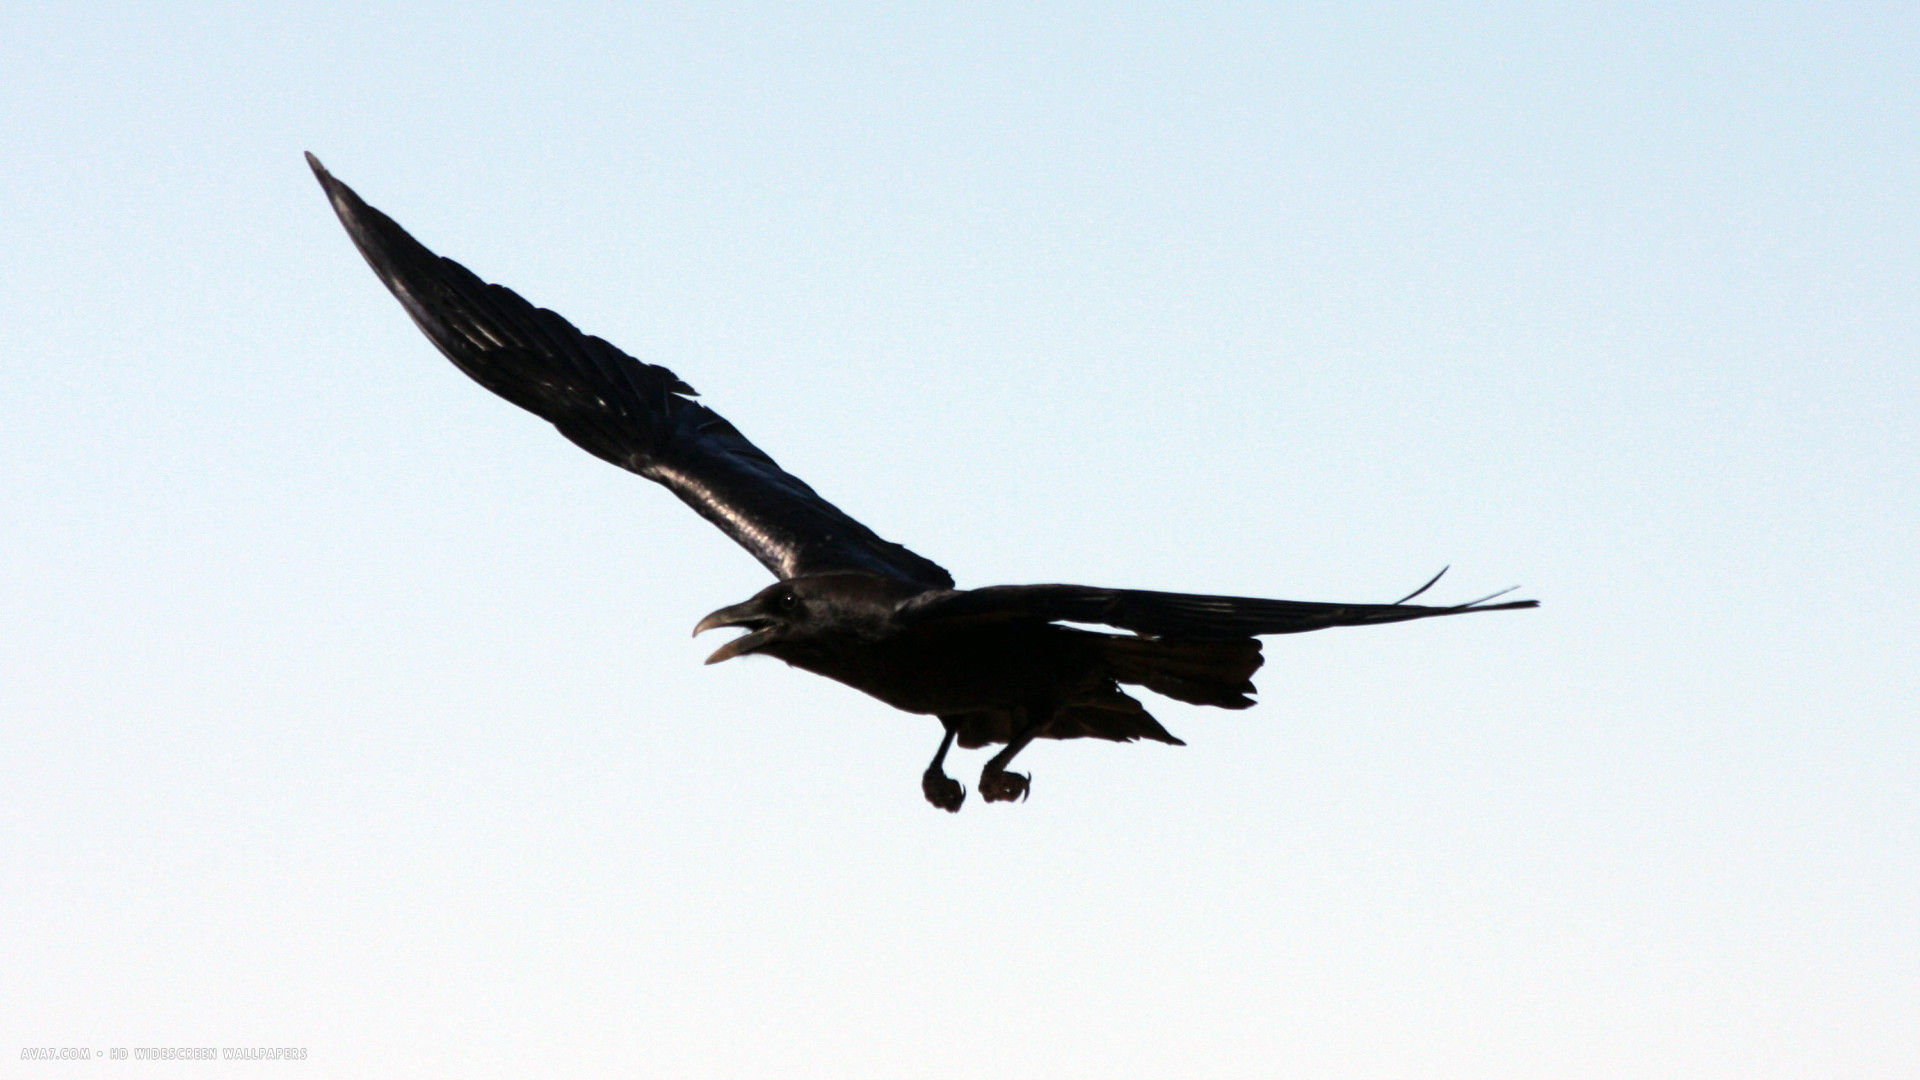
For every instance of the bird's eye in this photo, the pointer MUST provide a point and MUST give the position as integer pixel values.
(786, 601)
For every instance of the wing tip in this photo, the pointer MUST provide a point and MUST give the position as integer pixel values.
(328, 184)
(1430, 583)
(1510, 605)
(1482, 605)
(345, 203)
(380, 239)
(360, 219)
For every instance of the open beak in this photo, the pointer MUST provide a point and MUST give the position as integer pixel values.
(737, 615)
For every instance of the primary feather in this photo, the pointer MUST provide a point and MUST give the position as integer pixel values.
(638, 416)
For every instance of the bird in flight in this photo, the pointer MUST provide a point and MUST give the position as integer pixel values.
(995, 665)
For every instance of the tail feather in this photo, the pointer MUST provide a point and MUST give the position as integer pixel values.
(1214, 671)
(1118, 719)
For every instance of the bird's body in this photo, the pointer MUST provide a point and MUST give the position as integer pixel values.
(995, 664)
(947, 670)
(874, 635)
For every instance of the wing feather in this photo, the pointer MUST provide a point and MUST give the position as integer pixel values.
(638, 416)
(1168, 615)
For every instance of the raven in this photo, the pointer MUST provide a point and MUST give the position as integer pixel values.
(994, 664)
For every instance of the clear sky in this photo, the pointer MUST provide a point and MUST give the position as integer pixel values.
(344, 706)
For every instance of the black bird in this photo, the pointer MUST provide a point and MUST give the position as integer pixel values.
(993, 664)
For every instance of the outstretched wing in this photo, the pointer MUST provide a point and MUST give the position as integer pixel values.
(639, 416)
(1171, 615)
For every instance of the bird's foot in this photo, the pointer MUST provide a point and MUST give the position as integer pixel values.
(942, 790)
(998, 785)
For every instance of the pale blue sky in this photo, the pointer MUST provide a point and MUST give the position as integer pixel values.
(344, 706)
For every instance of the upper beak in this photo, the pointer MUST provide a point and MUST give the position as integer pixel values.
(737, 615)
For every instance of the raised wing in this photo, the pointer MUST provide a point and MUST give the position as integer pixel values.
(1171, 615)
(639, 416)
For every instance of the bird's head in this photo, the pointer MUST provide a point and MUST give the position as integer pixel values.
(772, 613)
(798, 616)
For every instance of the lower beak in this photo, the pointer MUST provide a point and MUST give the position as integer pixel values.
(737, 615)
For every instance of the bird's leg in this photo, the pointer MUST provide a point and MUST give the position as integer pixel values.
(942, 790)
(996, 783)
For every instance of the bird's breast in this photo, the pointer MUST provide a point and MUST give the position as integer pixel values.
(955, 671)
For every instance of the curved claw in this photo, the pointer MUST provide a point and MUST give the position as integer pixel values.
(943, 791)
(1005, 786)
